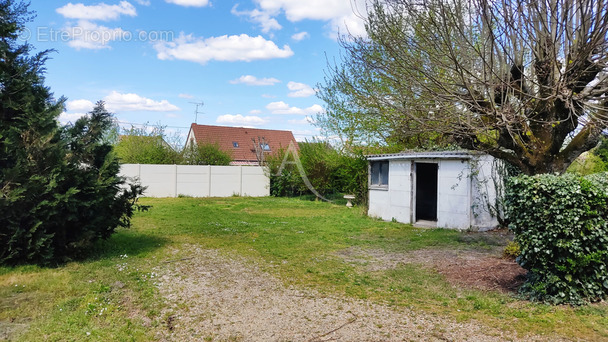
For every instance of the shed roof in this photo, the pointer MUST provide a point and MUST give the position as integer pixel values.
(239, 141)
(458, 154)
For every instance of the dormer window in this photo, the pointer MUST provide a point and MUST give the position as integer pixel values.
(235, 144)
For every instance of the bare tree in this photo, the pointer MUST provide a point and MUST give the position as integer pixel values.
(525, 81)
(259, 147)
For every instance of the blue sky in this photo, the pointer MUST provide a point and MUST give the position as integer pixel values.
(253, 63)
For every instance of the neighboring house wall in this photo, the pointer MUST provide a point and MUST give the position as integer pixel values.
(464, 188)
(199, 180)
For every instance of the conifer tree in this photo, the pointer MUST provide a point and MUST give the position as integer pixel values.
(59, 189)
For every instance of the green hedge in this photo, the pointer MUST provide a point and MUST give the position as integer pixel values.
(329, 171)
(561, 225)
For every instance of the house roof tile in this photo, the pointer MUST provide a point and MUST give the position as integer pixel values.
(239, 141)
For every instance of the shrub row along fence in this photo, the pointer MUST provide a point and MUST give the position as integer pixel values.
(199, 180)
(561, 225)
(329, 171)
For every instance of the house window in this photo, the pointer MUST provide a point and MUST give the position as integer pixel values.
(379, 173)
(265, 147)
(235, 144)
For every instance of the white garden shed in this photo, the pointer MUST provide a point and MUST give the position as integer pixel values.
(447, 189)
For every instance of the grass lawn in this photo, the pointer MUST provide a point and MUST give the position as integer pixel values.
(110, 294)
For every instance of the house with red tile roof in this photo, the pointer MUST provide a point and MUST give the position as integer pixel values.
(246, 145)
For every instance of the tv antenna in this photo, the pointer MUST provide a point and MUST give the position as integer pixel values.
(196, 110)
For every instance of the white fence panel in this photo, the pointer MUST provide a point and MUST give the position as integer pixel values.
(160, 179)
(193, 180)
(251, 177)
(225, 180)
(199, 180)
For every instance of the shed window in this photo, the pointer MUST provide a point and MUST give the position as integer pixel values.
(379, 173)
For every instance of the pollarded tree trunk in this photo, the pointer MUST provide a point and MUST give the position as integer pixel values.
(525, 81)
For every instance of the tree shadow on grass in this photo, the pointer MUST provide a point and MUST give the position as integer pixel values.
(123, 242)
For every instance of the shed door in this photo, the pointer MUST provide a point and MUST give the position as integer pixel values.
(426, 191)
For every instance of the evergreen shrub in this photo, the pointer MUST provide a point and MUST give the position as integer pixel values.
(561, 226)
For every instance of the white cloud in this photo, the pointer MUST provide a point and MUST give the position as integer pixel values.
(189, 3)
(348, 24)
(268, 96)
(263, 18)
(79, 106)
(143, 2)
(315, 109)
(315, 130)
(240, 120)
(303, 135)
(119, 102)
(342, 16)
(300, 36)
(306, 121)
(65, 118)
(185, 96)
(101, 11)
(223, 48)
(88, 35)
(300, 90)
(297, 10)
(281, 107)
(255, 112)
(277, 107)
(254, 81)
(116, 101)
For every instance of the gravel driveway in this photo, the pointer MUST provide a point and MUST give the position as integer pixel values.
(216, 298)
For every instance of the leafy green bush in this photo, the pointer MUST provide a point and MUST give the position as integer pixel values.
(561, 225)
(600, 178)
(588, 163)
(602, 149)
(141, 146)
(351, 176)
(329, 171)
(287, 183)
(320, 161)
(206, 154)
(512, 250)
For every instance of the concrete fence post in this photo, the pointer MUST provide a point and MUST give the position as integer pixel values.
(209, 168)
(175, 181)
